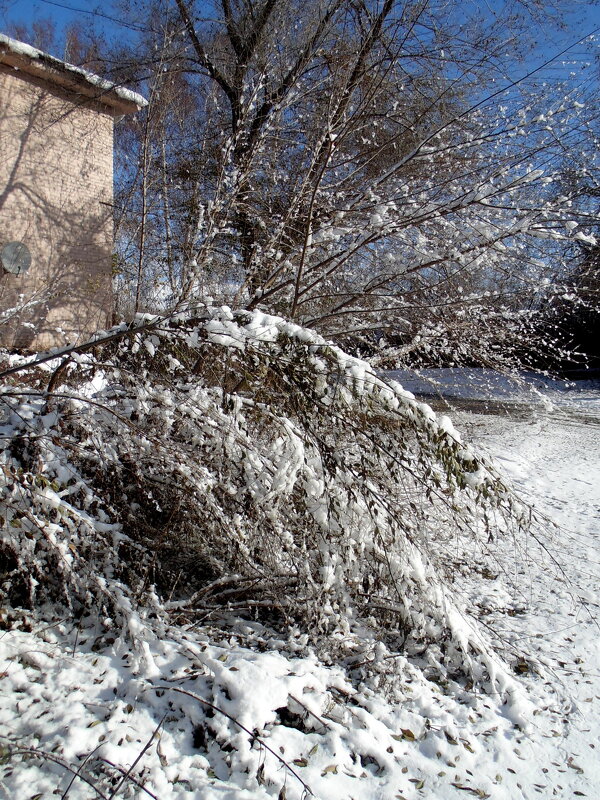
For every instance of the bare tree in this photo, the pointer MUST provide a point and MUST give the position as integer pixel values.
(366, 168)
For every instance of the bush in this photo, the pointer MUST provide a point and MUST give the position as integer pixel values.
(237, 463)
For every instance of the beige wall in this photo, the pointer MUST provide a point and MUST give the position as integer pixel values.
(56, 179)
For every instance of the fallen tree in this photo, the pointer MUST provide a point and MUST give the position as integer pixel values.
(215, 464)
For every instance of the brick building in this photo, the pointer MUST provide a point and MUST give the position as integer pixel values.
(56, 192)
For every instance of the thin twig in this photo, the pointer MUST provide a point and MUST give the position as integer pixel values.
(252, 735)
(139, 756)
(62, 763)
(78, 773)
(129, 777)
(311, 713)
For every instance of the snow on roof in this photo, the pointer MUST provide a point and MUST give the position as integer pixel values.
(36, 62)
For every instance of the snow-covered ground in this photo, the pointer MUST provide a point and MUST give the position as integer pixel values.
(553, 458)
(483, 385)
(229, 717)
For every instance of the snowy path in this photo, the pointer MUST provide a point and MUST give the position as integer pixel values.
(553, 458)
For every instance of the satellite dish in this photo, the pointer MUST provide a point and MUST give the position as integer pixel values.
(15, 258)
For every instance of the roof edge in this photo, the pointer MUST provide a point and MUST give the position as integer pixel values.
(42, 65)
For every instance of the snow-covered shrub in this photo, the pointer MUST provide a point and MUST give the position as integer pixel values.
(237, 463)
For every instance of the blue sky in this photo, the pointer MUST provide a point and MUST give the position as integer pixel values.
(582, 18)
(62, 13)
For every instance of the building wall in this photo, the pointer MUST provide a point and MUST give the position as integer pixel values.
(56, 191)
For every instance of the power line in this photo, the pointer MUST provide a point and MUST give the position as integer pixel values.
(96, 13)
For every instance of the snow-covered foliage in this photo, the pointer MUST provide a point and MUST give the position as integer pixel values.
(230, 708)
(239, 463)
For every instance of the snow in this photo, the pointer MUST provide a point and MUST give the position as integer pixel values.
(245, 716)
(20, 48)
(552, 457)
(530, 389)
(587, 238)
